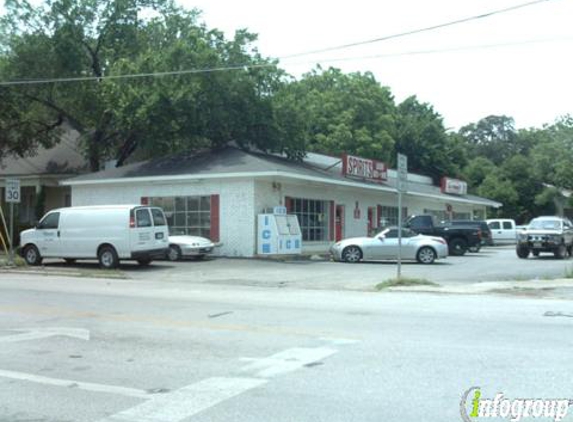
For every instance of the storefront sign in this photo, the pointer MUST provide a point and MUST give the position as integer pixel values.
(454, 186)
(364, 168)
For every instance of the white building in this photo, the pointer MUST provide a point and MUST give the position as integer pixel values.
(218, 194)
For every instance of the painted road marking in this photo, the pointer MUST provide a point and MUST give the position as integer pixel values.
(161, 322)
(88, 386)
(286, 361)
(187, 401)
(40, 333)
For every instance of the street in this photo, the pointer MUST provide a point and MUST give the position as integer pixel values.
(96, 350)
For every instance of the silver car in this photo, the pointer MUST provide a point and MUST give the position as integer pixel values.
(384, 246)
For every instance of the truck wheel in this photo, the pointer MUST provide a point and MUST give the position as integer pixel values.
(535, 253)
(523, 252)
(144, 261)
(458, 247)
(351, 254)
(426, 255)
(107, 257)
(32, 255)
(560, 252)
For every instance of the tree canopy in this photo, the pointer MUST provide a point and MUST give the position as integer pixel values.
(142, 78)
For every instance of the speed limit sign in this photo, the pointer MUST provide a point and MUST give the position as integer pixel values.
(13, 190)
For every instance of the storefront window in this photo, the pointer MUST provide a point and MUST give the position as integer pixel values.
(389, 216)
(312, 218)
(186, 215)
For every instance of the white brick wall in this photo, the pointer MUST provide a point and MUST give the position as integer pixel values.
(242, 200)
(237, 216)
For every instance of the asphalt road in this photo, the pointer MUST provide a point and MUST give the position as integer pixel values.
(490, 264)
(77, 349)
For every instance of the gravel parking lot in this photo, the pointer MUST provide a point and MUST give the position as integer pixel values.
(490, 264)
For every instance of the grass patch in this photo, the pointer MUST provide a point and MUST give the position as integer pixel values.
(18, 261)
(404, 281)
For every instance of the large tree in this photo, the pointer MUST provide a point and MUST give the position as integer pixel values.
(341, 113)
(99, 39)
(422, 137)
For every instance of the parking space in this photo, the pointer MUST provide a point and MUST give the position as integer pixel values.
(490, 264)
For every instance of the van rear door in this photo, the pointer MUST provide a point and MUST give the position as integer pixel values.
(142, 236)
(160, 228)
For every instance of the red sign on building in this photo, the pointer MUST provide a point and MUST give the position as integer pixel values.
(364, 168)
(455, 186)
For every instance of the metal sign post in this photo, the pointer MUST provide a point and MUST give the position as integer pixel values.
(12, 197)
(402, 187)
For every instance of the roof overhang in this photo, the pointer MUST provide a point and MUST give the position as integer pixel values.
(271, 174)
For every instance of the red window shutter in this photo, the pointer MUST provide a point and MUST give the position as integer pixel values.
(215, 218)
(378, 216)
(288, 203)
(144, 200)
(332, 216)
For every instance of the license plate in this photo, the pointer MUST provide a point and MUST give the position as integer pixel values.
(537, 244)
(159, 236)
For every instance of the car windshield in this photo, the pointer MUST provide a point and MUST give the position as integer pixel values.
(392, 233)
(545, 225)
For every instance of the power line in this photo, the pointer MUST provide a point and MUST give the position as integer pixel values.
(268, 65)
(419, 30)
(437, 50)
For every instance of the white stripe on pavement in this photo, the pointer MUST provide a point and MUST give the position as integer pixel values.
(89, 386)
(286, 361)
(187, 401)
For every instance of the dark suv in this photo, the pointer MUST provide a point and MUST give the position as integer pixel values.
(486, 237)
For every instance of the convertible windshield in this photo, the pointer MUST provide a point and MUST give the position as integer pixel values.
(545, 225)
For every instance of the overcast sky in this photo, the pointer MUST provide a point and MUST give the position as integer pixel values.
(531, 81)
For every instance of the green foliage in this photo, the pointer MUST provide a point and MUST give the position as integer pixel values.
(116, 117)
(341, 113)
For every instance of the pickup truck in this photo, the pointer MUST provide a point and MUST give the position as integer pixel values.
(459, 238)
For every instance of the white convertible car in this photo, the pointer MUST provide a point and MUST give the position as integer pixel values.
(189, 246)
(384, 246)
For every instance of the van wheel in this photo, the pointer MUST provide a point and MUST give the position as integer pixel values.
(144, 262)
(32, 255)
(107, 257)
(70, 261)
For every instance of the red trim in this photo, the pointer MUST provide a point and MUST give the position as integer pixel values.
(344, 164)
(288, 203)
(332, 216)
(214, 218)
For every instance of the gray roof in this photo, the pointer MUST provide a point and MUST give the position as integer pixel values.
(64, 158)
(235, 161)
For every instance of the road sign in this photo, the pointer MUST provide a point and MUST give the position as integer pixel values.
(12, 191)
(402, 173)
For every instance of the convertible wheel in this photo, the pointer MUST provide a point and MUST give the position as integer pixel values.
(174, 253)
(426, 255)
(352, 254)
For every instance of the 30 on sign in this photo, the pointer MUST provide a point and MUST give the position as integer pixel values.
(364, 168)
(12, 190)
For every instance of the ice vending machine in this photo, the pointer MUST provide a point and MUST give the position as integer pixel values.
(278, 233)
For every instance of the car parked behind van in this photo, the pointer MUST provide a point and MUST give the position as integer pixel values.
(109, 233)
(503, 230)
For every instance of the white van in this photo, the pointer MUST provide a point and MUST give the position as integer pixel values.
(107, 233)
(503, 230)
